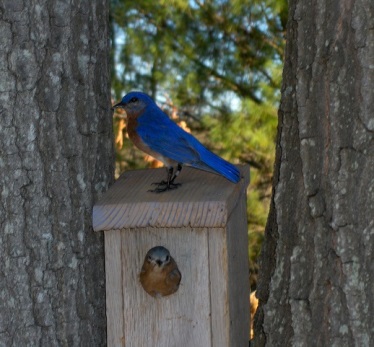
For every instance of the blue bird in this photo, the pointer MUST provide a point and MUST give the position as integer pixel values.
(153, 132)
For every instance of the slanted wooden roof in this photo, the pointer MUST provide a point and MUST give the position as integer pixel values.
(203, 200)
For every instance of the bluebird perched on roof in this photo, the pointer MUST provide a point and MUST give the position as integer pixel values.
(152, 131)
(160, 275)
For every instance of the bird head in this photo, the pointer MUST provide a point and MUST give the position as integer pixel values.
(158, 257)
(134, 103)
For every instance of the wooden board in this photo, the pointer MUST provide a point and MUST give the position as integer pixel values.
(114, 289)
(219, 288)
(181, 319)
(238, 269)
(203, 200)
(203, 224)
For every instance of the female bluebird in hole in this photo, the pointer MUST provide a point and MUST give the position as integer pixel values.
(160, 275)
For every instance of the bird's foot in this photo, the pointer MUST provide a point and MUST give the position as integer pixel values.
(169, 184)
(162, 183)
(164, 186)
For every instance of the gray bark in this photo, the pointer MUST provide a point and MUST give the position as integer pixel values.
(56, 157)
(317, 263)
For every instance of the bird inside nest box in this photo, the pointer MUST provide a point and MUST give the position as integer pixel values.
(159, 275)
(177, 262)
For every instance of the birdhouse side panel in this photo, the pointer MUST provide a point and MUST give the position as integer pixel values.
(238, 269)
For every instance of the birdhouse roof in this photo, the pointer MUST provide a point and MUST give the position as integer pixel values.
(203, 200)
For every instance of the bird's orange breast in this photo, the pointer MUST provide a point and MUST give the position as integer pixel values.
(160, 283)
(131, 127)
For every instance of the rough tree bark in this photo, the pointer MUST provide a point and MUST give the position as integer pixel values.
(56, 157)
(317, 263)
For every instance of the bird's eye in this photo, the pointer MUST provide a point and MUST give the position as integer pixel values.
(168, 258)
(134, 99)
(149, 258)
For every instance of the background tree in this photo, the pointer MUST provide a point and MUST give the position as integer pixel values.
(217, 64)
(316, 284)
(55, 158)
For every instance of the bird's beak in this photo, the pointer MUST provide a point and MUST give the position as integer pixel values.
(120, 104)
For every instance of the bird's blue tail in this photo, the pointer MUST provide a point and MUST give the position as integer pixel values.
(213, 163)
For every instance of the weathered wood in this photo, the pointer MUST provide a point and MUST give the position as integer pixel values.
(114, 289)
(203, 200)
(237, 245)
(167, 321)
(210, 307)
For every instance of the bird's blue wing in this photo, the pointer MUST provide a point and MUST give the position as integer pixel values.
(162, 135)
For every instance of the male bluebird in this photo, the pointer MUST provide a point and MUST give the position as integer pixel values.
(160, 275)
(152, 131)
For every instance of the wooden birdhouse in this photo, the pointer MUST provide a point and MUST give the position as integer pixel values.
(203, 224)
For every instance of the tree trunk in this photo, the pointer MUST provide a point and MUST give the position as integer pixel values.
(317, 274)
(56, 157)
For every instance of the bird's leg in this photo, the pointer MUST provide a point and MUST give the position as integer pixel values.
(179, 169)
(163, 182)
(168, 185)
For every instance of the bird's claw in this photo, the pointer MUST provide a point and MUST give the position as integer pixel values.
(162, 183)
(164, 186)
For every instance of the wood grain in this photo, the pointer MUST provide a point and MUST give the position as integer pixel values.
(181, 319)
(203, 200)
(203, 225)
(238, 269)
(114, 289)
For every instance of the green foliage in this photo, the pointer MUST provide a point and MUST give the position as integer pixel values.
(219, 63)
